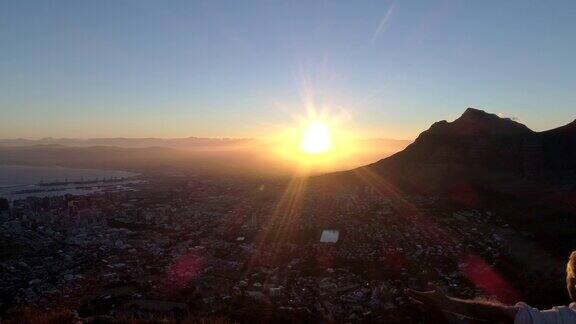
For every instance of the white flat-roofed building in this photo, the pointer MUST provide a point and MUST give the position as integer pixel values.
(329, 236)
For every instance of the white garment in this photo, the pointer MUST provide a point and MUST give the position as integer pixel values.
(555, 315)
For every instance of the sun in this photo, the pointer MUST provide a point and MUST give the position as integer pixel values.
(316, 139)
(315, 142)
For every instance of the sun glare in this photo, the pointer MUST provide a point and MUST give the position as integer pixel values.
(315, 142)
(316, 139)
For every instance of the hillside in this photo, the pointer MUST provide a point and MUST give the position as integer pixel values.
(483, 151)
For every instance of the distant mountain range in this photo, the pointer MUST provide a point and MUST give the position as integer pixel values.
(180, 143)
(188, 142)
(480, 151)
(182, 155)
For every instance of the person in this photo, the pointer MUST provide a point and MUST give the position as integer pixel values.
(520, 313)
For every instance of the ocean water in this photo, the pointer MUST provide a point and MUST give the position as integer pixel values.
(17, 175)
(18, 181)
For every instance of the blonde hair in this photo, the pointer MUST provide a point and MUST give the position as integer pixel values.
(571, 266)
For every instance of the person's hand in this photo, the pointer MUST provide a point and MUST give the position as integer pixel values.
(430, 298)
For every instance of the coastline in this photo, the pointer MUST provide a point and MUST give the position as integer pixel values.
(21, 181)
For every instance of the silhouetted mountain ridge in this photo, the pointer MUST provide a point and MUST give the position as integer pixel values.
(481, 150)
(475, 122)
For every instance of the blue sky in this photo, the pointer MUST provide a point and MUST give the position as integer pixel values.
(239, 68)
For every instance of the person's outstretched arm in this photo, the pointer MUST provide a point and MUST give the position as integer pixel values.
(471, 308)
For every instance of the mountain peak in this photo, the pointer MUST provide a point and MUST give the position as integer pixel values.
(475, 112)
(475, 122)
(478, 114)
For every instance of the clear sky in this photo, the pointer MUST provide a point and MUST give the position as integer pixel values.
(239, 68)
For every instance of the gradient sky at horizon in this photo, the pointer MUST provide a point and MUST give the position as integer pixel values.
(241, 68)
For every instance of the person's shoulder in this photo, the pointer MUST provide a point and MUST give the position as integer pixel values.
(524, 313)
(521, 304)
(557, 314)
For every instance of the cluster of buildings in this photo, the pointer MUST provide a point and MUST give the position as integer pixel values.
(231, 249)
